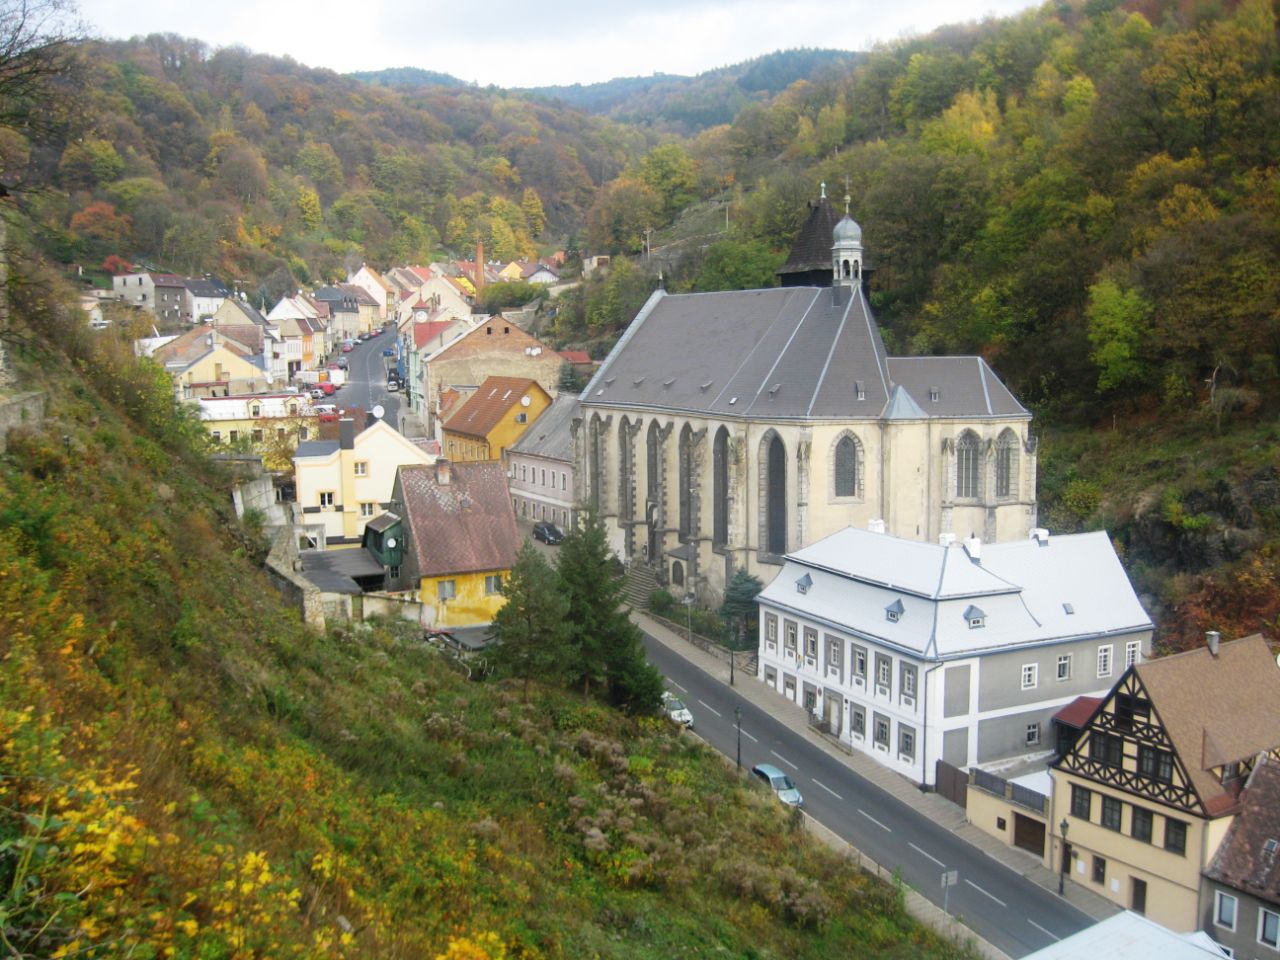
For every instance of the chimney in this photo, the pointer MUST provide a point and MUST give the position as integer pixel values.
(1041, 536)
(347, 433)
(946, 539)
(875, 526)
(973, 547)
(479, 266)
(1213, 637)
(443, 472)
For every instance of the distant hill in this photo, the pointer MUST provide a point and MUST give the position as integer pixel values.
(678, 103)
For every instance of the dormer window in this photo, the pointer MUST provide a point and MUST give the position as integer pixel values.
(255, 411)
(804, 583)
(893, 612)
(1068, 609)
(935, 394)
(975, 618)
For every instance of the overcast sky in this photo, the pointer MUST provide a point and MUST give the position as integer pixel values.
(531, 44)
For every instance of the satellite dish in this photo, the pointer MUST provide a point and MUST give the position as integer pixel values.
(524, 401)
(391, 543)
(378, 411)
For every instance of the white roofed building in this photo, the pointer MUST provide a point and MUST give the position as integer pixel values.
(914, 652)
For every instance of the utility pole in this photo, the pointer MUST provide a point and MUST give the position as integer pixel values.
(737, 719)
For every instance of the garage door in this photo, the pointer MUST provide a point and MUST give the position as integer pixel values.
(1028, 834)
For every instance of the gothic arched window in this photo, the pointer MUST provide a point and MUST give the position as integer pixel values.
(720, 489)
(846, 466)
(687, 482)
(775, 498)
(1007, 464)
(595, 456)
(653, 457)
(968, 466)
(626, 471)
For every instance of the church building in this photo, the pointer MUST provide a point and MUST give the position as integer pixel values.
(727, 429)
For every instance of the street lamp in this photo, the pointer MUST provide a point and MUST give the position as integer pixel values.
(688, 609)
(737, 719)
(733, 654)
(1062, 876)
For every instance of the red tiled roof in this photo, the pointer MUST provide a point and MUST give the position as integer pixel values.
(1078, 711)
(576, 356)
(465, 526)
(488, 405)
(424, 333)
(1243, 860)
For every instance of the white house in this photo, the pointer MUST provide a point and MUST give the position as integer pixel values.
(540, 466)
(914, 652)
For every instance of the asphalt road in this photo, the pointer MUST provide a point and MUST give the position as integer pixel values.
(366, 385)
(1011, 912)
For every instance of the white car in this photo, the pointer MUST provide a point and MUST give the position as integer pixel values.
(674, 708)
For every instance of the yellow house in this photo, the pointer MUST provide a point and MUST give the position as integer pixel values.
(493, 418)
(511, 273)
(343, 484)
(271, 424)
(204, 363)
(461, 540)
(1143, 797)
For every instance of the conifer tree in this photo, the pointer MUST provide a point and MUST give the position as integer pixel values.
(531, 629)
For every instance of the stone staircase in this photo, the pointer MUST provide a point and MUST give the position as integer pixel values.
(640, 584)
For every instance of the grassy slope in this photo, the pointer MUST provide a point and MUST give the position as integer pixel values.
(186, 770)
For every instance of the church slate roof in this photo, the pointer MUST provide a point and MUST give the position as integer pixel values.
(965, 387)
(780, 353)
(812, 247)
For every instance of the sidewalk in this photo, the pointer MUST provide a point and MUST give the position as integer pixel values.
(936, 808)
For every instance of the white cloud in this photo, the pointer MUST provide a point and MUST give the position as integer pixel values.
(527, 45)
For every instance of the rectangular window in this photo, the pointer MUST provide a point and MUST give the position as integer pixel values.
(1269, 928)
(835, 651)
(906, 742)
(811, 643)
(257, 434)
(1111, 813)
(1143, 824)
(326, 498)
(1224, 910)
(366, 509)
(859, 724)
(1033, 734)
(279, 433)
(1104, 660)
(544, 478)
(553, 479)
(217, 436)
(1099, 870)
(1106, 748)
(1156, 764)
(789, 640)
(362, 468)
(446, 589)
(235, 435)
(884, 671)
(1030, 675)
(564, 484)
(908, 680)
(522, 417)
(493, 584)
(1081, 801)
(860, 663)
(882, 731)
(771, 628)
(303, 433)
(524, 471)
(1064, 667)
(1175, 836)
(393, 573)
(1132, 653)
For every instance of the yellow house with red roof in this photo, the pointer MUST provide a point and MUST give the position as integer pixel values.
(493, 418)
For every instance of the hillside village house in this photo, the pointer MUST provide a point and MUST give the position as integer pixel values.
(376, 286)
(460, 540)
(540, 468)
(421, 337)
(272, 424)
(342, 484)
(726, 429)
(493, 418)
(204, 363)
(1144, 797)
(1240, 900)
(162, 294)
(913, 652)
(492, 347)
(204, 296)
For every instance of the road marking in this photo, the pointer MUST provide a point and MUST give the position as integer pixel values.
(711, 708)
(750, 737)
(984, 893)
(677, 686)
(925, 855)
(828, 789)
(874, 820)
(1047, 933)
(784, 760)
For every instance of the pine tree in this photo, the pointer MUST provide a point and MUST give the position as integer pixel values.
(531, 629)
(739, 606)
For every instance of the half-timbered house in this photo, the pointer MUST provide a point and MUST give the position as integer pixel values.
(1144, 796)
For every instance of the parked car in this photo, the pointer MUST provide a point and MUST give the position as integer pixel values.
(347, 347)
(393, 386)
(389, 352)
(317, 393)
(548, 533)
(326, 387)
(779, 783)
(327, 412)
(365, 335)
(334, 366)
(674, 708)
(342, 363)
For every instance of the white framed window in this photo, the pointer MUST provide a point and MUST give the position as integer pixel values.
(907, 742)
(564, 484)
(1104, 660)
(1033, 734)
(882, 731)
(362, 468)
(326, 498)
(771, 628)
(1030, 675)
(810, 642)
(884, 670)
(1064, 667)
(1224, 910)
(908, 680)
(1269, 928)
(446, 589)
(789, 634)
(860, 662)
(493, 584)
(366, 509)
(1132, 653)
